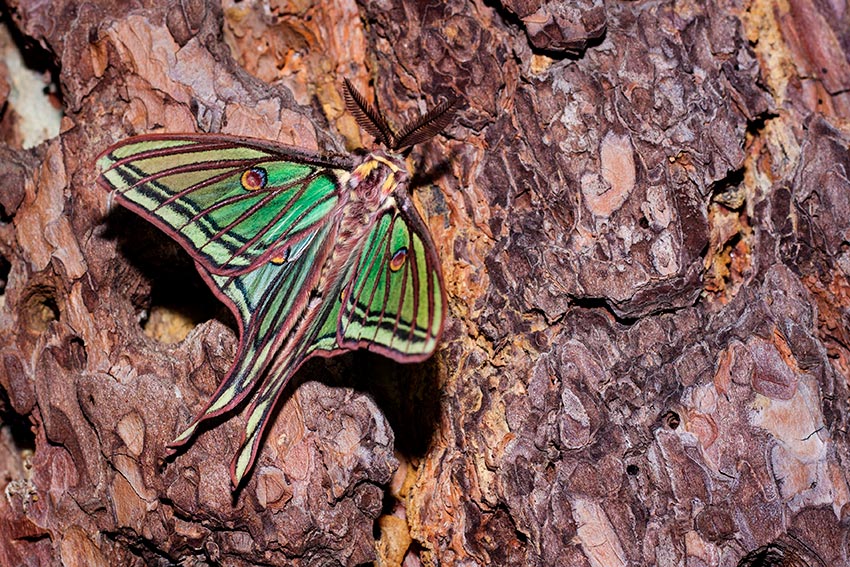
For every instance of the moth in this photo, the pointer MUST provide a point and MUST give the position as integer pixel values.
(314, 255)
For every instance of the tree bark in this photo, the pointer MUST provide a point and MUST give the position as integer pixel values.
(643, 215)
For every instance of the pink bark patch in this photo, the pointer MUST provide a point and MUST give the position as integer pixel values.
(771, 376)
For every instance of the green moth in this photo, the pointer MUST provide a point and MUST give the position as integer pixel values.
(314, 255)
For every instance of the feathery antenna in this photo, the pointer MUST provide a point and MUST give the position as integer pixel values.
(428, 125)
(366, 116)
(423, 128)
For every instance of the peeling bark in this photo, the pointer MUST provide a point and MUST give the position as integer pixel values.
(642, 213)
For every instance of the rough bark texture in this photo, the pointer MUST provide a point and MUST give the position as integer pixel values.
(643, 213)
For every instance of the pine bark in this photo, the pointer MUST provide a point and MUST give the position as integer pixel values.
(643, 214)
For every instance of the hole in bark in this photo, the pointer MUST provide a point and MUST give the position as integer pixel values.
(733, 242)
(632, 470)
(34, 55)
(414, 552)
(19, 426)
(36, 70)
(776, 554)
(39, 308)
(388, 506)
(521, 536)
(5, 268)
(77, 354)
(729, 191)
(758, 122)
(71, 355)
(672, 420)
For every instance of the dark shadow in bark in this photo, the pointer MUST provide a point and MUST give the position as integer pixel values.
(174, 280)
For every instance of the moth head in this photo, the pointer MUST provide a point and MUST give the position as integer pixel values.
(420, 130)
(382, 173)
